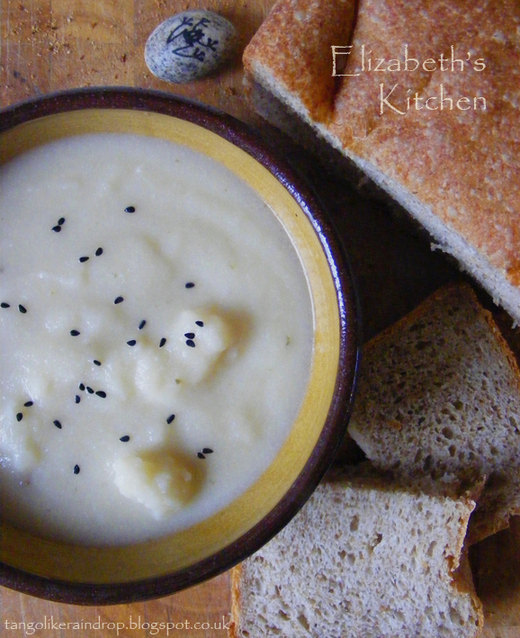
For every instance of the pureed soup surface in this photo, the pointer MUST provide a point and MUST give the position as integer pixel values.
(155, 338)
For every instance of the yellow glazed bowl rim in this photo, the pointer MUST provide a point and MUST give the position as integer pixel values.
(108, 575)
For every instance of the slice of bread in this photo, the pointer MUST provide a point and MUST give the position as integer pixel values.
(439, 396)
(455, 169)
(364, 558)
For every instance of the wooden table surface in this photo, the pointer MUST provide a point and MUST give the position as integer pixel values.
(48, 45)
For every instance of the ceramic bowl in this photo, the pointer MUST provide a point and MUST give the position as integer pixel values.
(106, 575)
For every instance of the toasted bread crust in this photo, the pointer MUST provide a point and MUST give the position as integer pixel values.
(456, 289)
(459, 163)
(295, 46)
(274, 589)
(236, 594)
(412, 427)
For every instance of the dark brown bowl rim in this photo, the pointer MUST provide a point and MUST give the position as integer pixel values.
(334, 429)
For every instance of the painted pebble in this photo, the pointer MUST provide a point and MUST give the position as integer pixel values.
(189, 45)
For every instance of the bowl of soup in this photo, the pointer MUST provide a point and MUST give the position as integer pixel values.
(179, 344)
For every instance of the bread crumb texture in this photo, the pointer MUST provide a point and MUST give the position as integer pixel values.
(445, 375)
(361, 560)
(460, 165)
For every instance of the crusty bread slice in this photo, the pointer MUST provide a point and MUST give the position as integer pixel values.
(439, 395)
(454, 170)
(363, 559)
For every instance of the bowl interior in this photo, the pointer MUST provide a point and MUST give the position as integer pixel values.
(105, 565)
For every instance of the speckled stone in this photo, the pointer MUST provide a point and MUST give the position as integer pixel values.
(189, 45)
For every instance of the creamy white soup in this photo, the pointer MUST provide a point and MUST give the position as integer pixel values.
(155, 338)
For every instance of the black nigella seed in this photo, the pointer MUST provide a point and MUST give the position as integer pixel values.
(189, 284)
(207, 450)
(4, 304)
(142, 324)
(90, 390)
(124, 438)
(99, 251)
(162, 342)
(170, 419)
(130, 209)
(57, 424)
(61, 221)
(200, 455)
(56, 229)
(81, 386)
(190, 343)
(119, 300)
(76, 469)
(19, 416)
(74, 333)
(101, 393)
(83, 259)
(28, 404)
(200, 323)
(77, 398)
(189, 335)
(132, 342)
(22, 309)
(96, 362)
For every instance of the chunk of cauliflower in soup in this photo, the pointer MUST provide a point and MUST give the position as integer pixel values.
(156, 338)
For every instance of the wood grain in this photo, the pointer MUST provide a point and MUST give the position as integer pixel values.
(200, 612)
(69, 43)
(49, 45)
